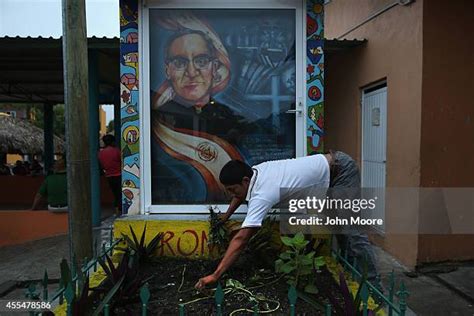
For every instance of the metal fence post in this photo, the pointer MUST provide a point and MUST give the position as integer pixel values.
(391, 288)
(106, 310)
(31, 295)
(61, 295)
(69, 295)
(181, 310)
(84, 264)
(328, 310)
(364, 295)
(255, 310)
(144, 297)
(292, 296)
(354, 274)
(45, 285)
(219, 297)
(403, 294)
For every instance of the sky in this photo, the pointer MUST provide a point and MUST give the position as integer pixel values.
(43, 18)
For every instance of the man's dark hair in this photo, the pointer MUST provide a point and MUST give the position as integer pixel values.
(108, 140)
(234, 171)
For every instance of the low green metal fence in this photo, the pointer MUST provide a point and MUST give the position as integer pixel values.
(367, 289)
(388, 301)
(64, 291)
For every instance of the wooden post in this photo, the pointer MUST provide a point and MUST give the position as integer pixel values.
(77, 127)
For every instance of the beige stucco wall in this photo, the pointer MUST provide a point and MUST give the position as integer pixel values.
(393, 52)
(447, 135)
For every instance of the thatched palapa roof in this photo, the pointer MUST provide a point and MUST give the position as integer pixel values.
(22, 137)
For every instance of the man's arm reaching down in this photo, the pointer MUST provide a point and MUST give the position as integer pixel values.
(233, 206)
(237, 244)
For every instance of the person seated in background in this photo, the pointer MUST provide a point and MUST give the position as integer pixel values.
(5, 170)
(36, 168)
(27, 166)
(54, 189)
(19, 169)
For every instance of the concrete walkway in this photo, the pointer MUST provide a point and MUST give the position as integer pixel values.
(429, 296)
(28, 261)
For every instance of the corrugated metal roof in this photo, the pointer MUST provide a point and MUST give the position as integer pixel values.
(31, 69)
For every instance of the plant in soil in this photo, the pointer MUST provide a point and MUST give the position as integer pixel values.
(218, 233)
(245, 289)
(124, 278)
(80, 303)
(143, 251)
(298, 265)
(261, 249)
(352, 304)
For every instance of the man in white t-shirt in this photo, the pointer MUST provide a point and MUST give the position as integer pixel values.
(260, 186)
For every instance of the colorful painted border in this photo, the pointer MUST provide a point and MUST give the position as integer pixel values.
(129, 107)
(315, 76)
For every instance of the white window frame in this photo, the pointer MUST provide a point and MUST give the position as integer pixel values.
(201, 210)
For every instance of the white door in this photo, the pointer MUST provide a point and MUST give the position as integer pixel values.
(374, 145)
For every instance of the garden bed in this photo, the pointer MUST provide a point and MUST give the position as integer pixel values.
(172, 283)
(135, 279)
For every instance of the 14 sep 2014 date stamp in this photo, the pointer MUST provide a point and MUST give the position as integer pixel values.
(24, 306)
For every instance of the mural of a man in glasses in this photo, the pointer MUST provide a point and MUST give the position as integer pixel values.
(190, 68)
(188, 124)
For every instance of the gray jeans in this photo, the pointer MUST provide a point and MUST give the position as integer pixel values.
(345, 183)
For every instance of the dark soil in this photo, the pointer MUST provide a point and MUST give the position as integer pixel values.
(173, 281)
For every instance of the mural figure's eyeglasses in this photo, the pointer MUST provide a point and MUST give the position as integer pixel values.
(200, 62)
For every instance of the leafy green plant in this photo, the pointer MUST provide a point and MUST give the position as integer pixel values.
(80, 303)
(218, 233)
(297, 264)
(350, 305)
(262, 247)
(126, 273)
(143, 251)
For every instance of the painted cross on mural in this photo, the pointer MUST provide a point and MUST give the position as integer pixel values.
(274, 97)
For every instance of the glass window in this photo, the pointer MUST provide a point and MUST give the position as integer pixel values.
(221, 81)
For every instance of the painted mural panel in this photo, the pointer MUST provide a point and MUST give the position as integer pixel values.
(258, 74)
(129, 106)
(221, 82)
(315, 76)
